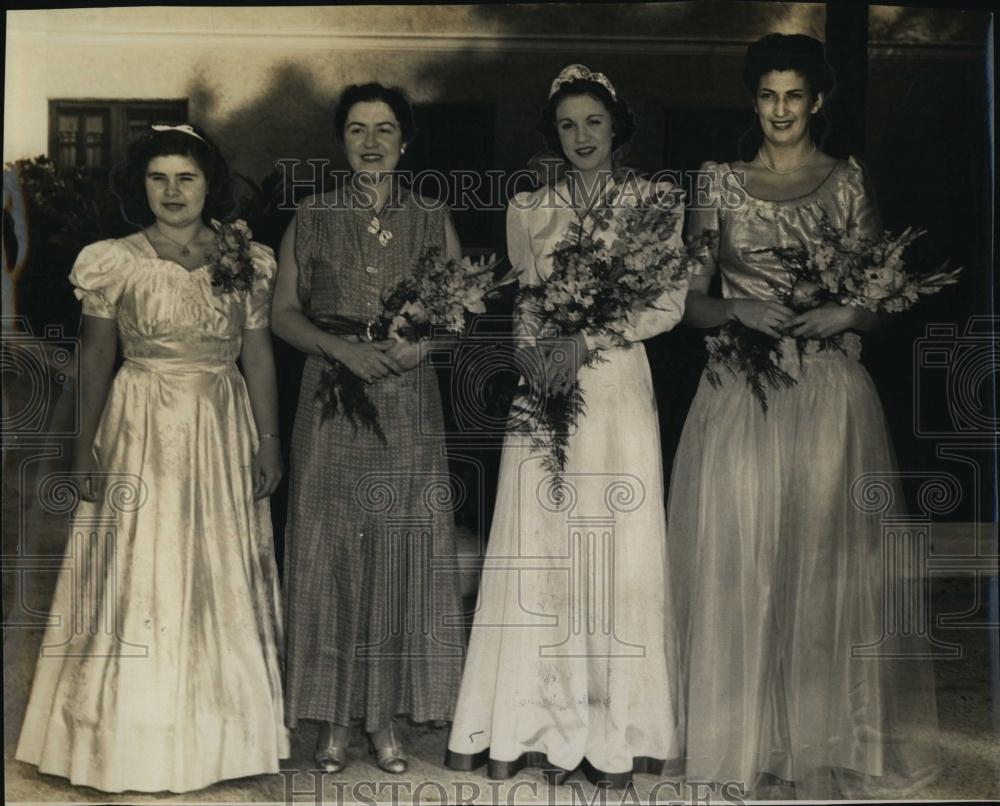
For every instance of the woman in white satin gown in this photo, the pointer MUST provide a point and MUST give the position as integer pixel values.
(161, 668)
(571, 660)
(795, 686)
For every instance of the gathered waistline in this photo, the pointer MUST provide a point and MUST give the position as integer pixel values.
(184, 366)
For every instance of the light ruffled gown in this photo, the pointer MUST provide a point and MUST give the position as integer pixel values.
(794, 676)
(161, 670)
(572, 656)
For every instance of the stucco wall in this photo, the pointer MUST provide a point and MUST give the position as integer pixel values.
(262, 79)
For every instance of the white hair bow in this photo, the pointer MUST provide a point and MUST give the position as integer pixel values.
(181, 127)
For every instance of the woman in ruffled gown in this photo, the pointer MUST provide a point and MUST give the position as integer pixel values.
(777, 572)
(161, 668)
(570, 664)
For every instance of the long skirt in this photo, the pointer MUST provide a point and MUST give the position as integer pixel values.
(572, 661)
(781, 564)
(372, 596)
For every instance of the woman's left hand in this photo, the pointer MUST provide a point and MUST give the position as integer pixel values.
(824, 322)
(407, 354)
(266, 468)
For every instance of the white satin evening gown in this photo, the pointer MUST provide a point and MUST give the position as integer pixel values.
(160, 669)
(572, 657)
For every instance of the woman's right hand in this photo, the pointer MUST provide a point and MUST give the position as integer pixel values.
(369, 360)
(764, 315)
(86, 475)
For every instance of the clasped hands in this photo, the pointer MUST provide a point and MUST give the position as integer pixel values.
(777, 320)
(373, 361)
(551, 365)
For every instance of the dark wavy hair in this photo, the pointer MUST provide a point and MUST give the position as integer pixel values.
(393, 97)
(128, 179)
(797, 52)
(622, 119)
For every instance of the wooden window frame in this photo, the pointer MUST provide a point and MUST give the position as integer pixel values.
(118, 111)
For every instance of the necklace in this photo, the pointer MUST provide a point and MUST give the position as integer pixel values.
(183, 248)
(760, 156)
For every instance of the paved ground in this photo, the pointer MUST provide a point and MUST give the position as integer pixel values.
(970, 749)
(968, 736)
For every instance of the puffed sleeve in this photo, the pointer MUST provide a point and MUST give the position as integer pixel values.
(863, 218)
(99, 275)
(258, 301)
(667, 310)
(526, 324)
(703, 220)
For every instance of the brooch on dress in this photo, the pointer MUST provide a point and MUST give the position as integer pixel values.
(375, 228)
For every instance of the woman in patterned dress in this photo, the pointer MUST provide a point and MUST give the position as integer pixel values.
(370, 593)
(172, 548)
(777, 571)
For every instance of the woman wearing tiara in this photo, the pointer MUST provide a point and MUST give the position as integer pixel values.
(777, 572)
(570, 664)
(161, 669)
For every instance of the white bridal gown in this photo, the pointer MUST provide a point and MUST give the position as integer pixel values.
(572, 657)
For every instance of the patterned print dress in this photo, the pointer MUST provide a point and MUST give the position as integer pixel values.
(371, 587)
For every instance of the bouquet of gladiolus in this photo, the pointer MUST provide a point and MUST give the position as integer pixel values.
(232, 268)
(866, 272)
(437, 295)
(593, 286)
(869, 273)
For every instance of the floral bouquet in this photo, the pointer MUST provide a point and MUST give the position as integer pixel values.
(593, 286)
(869, 273)
(232, 268)
(865, 272)
(437, 295)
